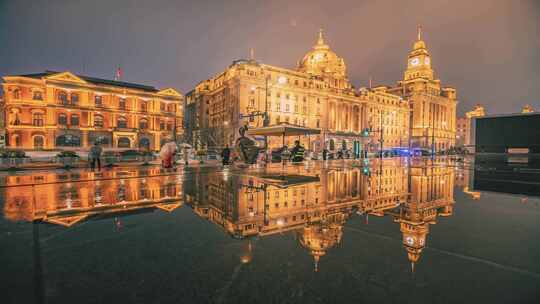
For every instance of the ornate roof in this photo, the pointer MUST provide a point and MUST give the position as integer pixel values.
(321, 61)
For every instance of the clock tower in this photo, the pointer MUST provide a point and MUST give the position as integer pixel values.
(419, 61)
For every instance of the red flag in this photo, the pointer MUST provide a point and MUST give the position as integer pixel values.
(118, 75)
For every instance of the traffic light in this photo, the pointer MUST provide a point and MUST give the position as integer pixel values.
(366, 171)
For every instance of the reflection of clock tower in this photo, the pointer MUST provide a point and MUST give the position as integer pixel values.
(414, 239)
(419, 61)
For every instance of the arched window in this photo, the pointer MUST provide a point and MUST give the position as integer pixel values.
(39, 142)
(74, 98)
(121, 122)
(143, 124)
(17, 94)
(74, 120)
(62, 119)
(62, 97)
(37, 119)
(124, 142)
(144, 143)
(37, 95)
(68, 140)
(98, 121)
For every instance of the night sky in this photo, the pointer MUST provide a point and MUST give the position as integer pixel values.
(488, 49)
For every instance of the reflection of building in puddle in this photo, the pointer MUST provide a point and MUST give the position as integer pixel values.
(431, 196)
(69, 202)
(316, 206)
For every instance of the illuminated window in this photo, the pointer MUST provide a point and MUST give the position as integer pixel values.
(37, 95)
(162, 125)
(286, 107)
(62, 119)
(62, 97)
(143, 124)
(169, 126)
(16, 94)
(278, 106)
(37, 119)
(122, 103)
(98, 100)
(74, 120)
(121, 122)
(98, 121)
(252, 102)
(144, 106)
(162, 106)
(74, 98)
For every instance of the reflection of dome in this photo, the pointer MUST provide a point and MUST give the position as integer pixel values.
(319, 237)
(322, 60)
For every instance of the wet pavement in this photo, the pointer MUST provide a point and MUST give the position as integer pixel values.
(398, 231)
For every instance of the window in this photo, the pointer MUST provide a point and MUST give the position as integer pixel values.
(121, 122)
(74, 120)
(171, 108)
(16, 94)
(252, 102)
(162, 106)
(296, 108)
(98, 100)
(74, 98)
(162, 125)
(98, 121)
(122, 103)
(143, 124)
(68, 140)
(287, 107)
(37, 95)
(37, 119)
(38, 142)
(144, 106)
(62, 119)
(278, 106)
(62, 97)
(169, 126)
(124, 142)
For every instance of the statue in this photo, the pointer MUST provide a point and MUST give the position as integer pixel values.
(246, 147)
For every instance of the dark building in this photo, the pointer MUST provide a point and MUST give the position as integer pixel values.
(512, 134)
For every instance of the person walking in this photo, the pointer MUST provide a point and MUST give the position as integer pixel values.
(225, 155)
(95, 156)
(324, 154)
(297, 152)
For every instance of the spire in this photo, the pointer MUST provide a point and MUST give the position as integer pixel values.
(316, 266)
(419, 27)
(412, 267)
(320, 41)
(251, 54)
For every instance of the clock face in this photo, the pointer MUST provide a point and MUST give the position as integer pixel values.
(415, 61)
(409, 240)
(426, 60)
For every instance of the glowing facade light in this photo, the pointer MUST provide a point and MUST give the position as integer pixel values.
(282, 80)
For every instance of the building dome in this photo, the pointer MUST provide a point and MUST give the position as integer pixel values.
(321, 61)
(319, 237)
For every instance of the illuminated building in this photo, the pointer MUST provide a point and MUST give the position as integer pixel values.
(527, 109)
(64, 200)
(316, 95)
(53, 110)
(433, 107)
(464, 124)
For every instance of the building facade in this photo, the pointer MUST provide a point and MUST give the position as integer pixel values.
(317, 94)
(432, 106)
(464, 136)
(53, 110)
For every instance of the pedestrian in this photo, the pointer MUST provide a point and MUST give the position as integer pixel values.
(167, 153)
(324, 154)
(225, 155)
(297, 152)
(95, 156)
(186, 155)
